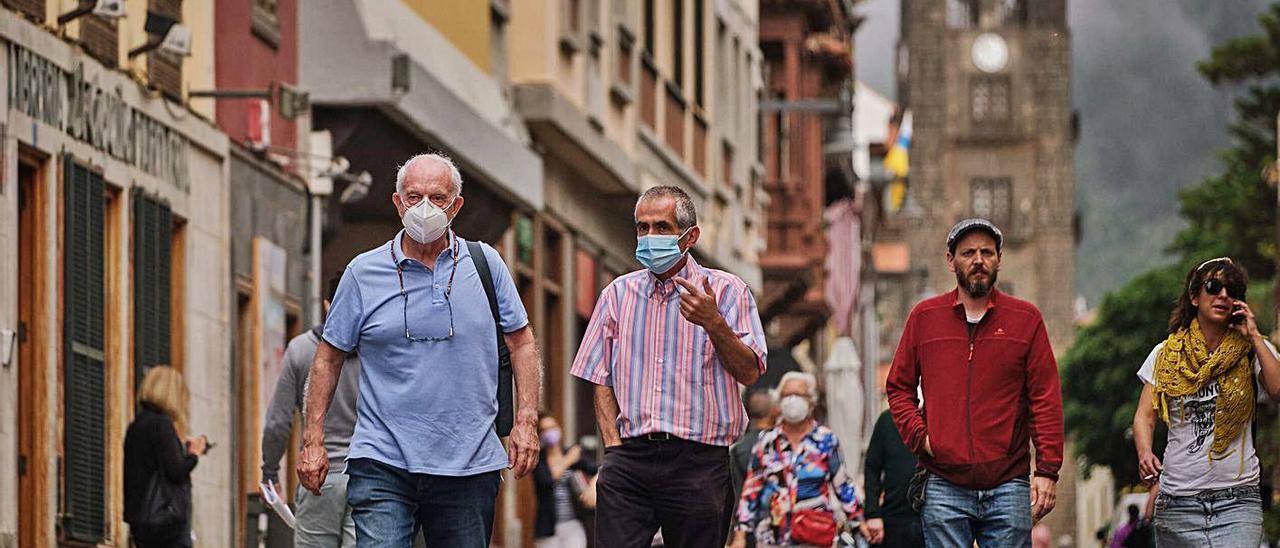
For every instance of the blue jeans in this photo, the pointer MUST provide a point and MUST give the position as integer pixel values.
(956, 516)
(390, 505)
(1217, 518)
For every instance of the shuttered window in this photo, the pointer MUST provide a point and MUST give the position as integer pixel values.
(33, 9)
(152, 265)
(83, 363)
(164, 70)
(100, 38)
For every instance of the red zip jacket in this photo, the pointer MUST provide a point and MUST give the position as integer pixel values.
(984, 396)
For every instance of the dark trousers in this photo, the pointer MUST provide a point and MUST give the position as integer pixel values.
(903, 532)
(390, 505)
(178, 537)
(676, 485)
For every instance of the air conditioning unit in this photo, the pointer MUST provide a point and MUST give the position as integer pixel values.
(259, 135)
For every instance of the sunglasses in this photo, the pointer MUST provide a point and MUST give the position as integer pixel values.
(1213, 286)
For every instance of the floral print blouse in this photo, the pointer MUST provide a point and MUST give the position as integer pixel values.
(783, 479)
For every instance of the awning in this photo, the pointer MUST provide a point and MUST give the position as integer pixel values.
(346, 48)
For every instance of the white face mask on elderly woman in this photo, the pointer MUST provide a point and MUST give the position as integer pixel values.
(794, 408)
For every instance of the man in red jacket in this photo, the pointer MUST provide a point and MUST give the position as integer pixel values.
(990, 383)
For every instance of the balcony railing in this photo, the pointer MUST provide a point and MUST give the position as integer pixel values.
(674, 116)
(648, 92)
(700, 146)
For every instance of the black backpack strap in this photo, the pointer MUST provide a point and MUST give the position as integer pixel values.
(506, 394)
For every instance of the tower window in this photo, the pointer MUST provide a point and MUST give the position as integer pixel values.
(992, 199)
(962, 14)
(989, 99)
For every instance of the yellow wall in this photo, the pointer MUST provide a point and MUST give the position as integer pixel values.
(465, 24)
(198, 69)
(531, 40)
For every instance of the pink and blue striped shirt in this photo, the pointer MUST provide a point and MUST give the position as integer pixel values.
(663, 369)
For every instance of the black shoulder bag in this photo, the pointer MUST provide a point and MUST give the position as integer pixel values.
(506, 411)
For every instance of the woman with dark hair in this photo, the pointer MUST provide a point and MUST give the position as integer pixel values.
(1203, 381)
(565, 483)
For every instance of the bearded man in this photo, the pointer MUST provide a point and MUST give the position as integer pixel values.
(990, 383)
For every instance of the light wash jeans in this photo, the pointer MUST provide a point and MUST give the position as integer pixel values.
(957, 516)
(1212, 519)
(325, 521)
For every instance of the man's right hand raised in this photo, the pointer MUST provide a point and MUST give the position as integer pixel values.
(313, 467)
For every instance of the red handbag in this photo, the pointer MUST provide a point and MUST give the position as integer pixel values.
(813, 526)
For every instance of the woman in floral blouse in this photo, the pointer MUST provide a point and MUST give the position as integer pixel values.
(795, 470)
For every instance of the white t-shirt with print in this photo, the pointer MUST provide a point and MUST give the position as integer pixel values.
(1187, 468)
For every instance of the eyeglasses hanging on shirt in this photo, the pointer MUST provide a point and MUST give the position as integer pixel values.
(447, 292)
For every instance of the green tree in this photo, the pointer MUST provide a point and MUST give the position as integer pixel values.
(1232, 213)
(1100, 377)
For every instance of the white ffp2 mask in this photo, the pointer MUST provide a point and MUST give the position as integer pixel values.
(425, 222)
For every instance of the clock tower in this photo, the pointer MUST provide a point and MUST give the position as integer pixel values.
(988, 83)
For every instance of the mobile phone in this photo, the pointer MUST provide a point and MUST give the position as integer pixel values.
(1235, 318)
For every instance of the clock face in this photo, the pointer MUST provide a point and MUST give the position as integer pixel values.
(990, 52)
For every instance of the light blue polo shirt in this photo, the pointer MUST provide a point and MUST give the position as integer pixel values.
(425, 406)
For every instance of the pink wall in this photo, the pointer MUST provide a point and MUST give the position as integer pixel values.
(243, 60)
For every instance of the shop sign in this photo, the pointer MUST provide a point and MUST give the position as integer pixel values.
(88, 111)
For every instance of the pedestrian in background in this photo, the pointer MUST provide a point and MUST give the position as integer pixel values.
(796, 473)
(667, 347)
(565, 483)
(887, 471)
(1202, 381)
(426, 454)
(322, 521)
(990, 385)
(1121, 535)
(158, 460)
(763, 413)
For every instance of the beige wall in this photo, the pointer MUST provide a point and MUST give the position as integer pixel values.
(465, 24)
(197, 69)
(537, 33)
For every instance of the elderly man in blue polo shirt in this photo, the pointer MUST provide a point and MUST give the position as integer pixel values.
(425, 453)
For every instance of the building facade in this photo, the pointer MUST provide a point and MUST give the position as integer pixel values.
(988, 83)
(114, 205)
(807, 46)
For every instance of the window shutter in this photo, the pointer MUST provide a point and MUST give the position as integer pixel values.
(152, 233)
(33, 9)
(100, 38)
(164, 70)
(83, 373)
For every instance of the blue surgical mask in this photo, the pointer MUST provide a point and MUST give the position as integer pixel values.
(659, 252)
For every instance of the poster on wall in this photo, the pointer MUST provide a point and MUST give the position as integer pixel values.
(269, 266)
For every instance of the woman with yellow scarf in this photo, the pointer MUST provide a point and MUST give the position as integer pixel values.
(1202, 381)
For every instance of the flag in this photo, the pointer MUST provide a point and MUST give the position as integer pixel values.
(896, 161)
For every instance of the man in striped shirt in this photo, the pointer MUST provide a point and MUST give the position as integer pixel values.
(668, 348)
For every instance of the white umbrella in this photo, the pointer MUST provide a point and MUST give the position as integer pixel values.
(846, 401)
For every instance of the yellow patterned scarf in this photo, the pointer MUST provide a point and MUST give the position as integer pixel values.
(1184, 367)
